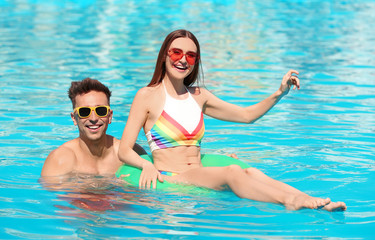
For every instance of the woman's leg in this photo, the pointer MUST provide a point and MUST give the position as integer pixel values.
(275, 183)
(259, 175)
(247, 185)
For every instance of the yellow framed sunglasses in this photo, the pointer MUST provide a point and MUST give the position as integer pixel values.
(85, 112)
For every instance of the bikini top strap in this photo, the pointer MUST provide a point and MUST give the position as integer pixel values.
(187, 90)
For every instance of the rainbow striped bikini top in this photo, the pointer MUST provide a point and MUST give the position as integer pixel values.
(181, 123)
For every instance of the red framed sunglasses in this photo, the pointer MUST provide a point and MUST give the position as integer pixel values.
(176, 54)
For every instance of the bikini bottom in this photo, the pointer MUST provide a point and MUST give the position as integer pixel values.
(166, 173)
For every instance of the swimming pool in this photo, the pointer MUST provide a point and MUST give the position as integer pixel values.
(319, 139)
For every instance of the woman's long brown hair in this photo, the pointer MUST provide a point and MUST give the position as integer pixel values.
(160, 68)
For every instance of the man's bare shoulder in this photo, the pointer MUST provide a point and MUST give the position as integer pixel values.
(115, 140)
(61, 160)
(112, 141)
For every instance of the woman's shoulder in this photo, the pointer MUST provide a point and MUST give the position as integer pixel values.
(148, 91)
(148, 97)
(199, 92)
(195, 90)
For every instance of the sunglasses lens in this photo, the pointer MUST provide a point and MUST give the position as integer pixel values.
(175, 54)
(101, 111)
(84, 112)
(191, 57)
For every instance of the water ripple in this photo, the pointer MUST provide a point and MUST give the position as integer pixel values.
(319, 139)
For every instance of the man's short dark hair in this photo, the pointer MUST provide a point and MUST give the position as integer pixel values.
(85, 86)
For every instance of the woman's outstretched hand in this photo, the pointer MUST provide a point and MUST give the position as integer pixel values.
(150, 175)
(289, 79)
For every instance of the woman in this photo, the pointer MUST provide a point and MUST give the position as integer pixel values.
(170, 110)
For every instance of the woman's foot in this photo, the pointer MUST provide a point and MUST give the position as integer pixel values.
(335, 206)
(306, 201)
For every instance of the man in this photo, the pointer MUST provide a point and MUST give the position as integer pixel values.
(93, 152)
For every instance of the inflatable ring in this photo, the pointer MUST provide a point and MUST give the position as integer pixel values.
(208, 160)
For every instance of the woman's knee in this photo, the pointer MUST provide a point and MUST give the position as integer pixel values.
(234, 174)
(233, 170)
(252, 171)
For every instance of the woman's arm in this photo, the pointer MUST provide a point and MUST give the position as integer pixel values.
(137, 117)
(220, 109)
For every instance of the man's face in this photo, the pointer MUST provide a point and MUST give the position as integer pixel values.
(93, 127)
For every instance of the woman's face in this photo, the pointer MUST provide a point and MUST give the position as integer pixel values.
(187, 50)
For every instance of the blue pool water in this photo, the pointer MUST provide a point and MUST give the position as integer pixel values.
(319, 139)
